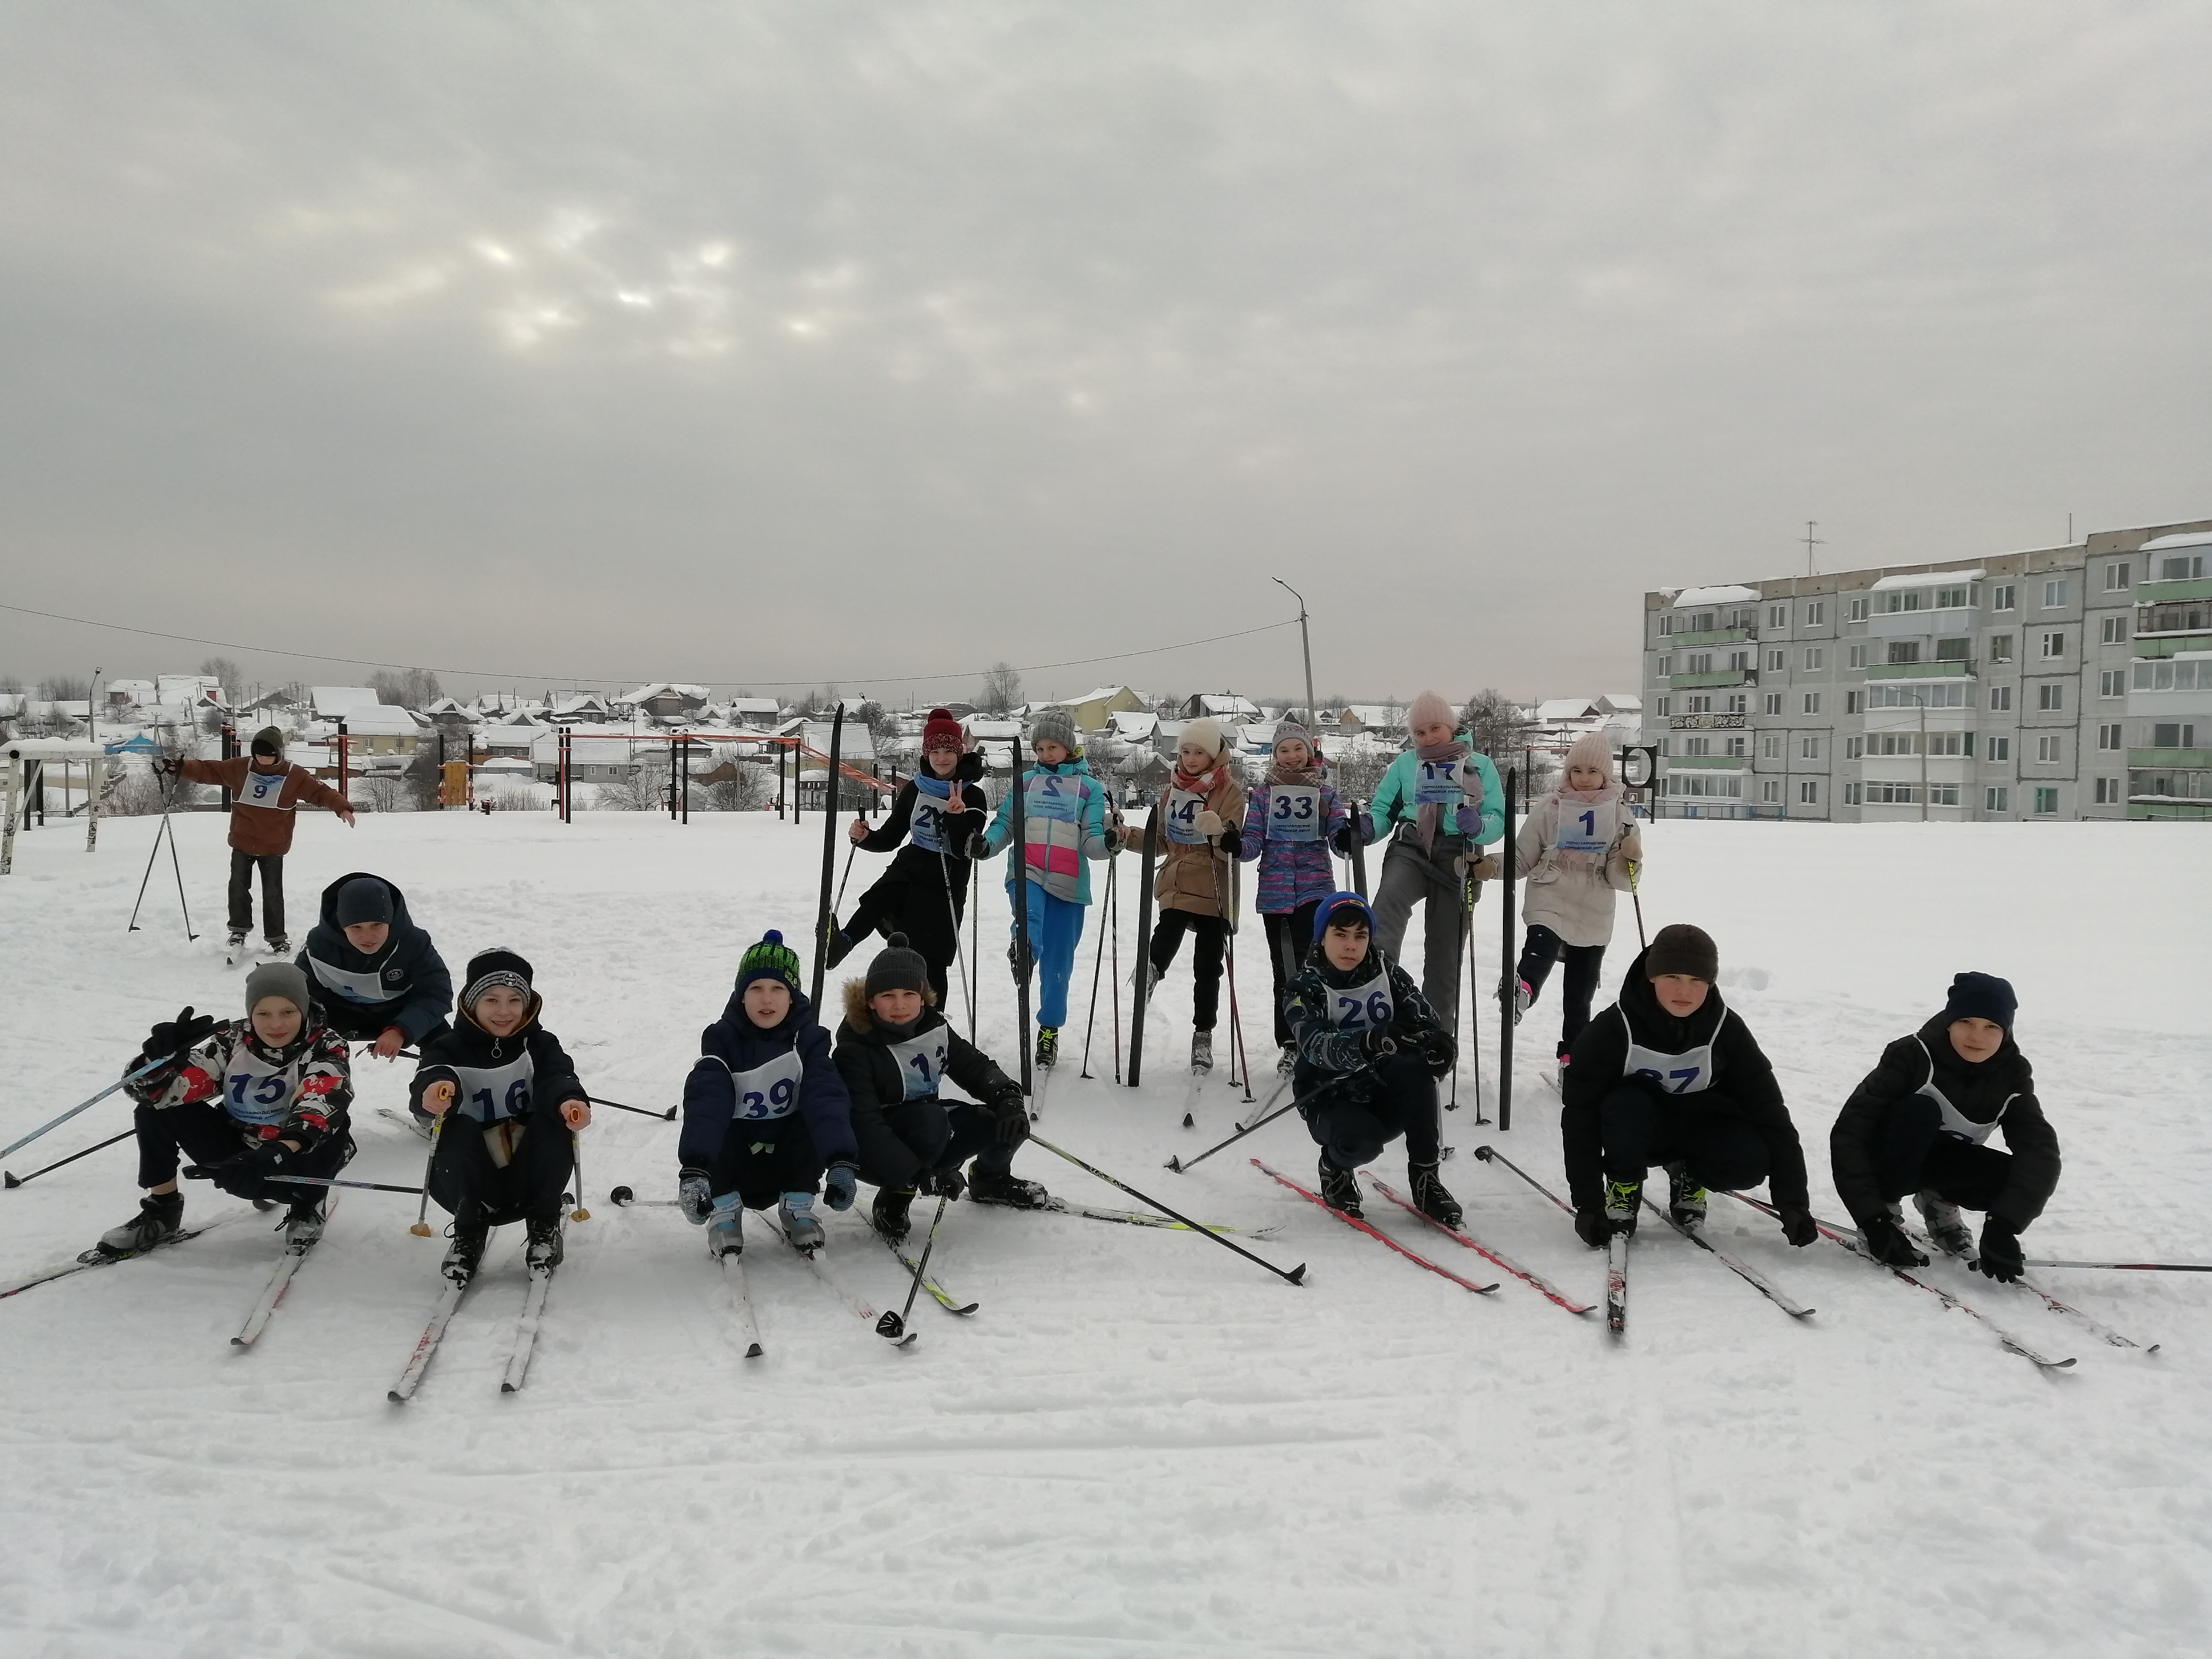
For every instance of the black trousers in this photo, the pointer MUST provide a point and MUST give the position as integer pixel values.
(919, 904)
(761, 1161)
(1577, 985)
(468, 1182)
(1916, 1156)
(242, 867)
(204, 1132)
(1400, 1099)
(1209, 938)
(943, 1136)
(1641, 1131)
(1288, 940)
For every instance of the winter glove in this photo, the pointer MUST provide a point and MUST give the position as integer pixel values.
(1341, 843)
(1592, 1226)
(1485, 869)
(174, 1039)
(1209, 824)
(303, 1130)
(1469, 820)
(1437, 1053)
(1232, 842)
(695, 1196)
(1013, 1111)
(978, 846)
(1375, 1041)
(1366, 825)
(948, 1183)
(968, 769)
(2001, 1258)
(244, 1174)
(839, 1184)
(1887, 1242)
(1797, 1225)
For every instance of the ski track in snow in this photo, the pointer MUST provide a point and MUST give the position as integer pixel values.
(1140, 1445)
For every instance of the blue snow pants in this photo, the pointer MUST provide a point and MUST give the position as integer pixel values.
(1055, 928)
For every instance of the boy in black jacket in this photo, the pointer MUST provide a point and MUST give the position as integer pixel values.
(1919, 1122)
(1670, 1074)
(924, 894)
(895, 1051)
(764, 1110)
(382, 981)
(509, 1148)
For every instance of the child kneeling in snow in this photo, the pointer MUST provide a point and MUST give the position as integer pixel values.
(508, 1148)
(1671, 1075)
(764, 1110)
(1576, 847)
(895, 1051)
(1370, 1052)
(1919, 1124)
(258, 1099)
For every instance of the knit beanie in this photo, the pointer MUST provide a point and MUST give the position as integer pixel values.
(1055, 725)
(497, 966)
(1429, 709)
(278, 979)
(941, 731)
(1291, 731)
(898, 967)
(769, 959)
(365, 899)
(1204, 731)
(1336, 902)
(1678, 948)
(1981, 996)
(1589, 750)
(268, 740)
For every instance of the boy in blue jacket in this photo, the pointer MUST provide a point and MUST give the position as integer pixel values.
(764, 1110)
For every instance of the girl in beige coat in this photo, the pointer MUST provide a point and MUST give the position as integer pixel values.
(1577, 846)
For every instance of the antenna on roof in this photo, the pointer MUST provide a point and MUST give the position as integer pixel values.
(1811, 541)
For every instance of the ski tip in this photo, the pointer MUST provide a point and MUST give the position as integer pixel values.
(620, 1196)
(395, 1397)
(972, 1306)
(239, 1342)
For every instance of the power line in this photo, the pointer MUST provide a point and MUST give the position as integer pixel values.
(637, 679)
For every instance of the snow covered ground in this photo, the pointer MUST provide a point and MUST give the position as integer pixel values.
(1140, 1445)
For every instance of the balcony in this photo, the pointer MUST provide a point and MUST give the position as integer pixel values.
(2180, 760)
(1720, 677)
(1903, 624)
(1706, 762)
(2170, 645)
(1921, 670)
(2198, 588)
(1711, 636)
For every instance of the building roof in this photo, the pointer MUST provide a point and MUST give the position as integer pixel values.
(1621, 702)
(1927, 578)
(1727, 593)
(1551, 710)
(379, 719)
(2184, 539)
(661, 688)
(331, 701)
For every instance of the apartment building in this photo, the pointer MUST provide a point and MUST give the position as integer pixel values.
(2039, 684)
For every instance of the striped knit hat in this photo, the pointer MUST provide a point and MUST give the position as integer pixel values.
(769, 959)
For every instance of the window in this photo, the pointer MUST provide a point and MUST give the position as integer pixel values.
(2050, 694)
(1854, 747)
(2187, 568)
(1739, 703)
(1850, 703)
(2169, 734)
(2169, 676)
(1770, 792)
(2000, 749)
(1950, 599)
(1816, 613)
(2047, 802)
(1739, 661)
(1856, 611)
(1856, 659)
(2000, 698)
(1743, 617)
(2046, 749)
(1997, 799)
(1809, 792)
(1775, 660)
(1773, 703)
(1850, 794)
(1724, 785)
(2108, 737)
(1891, 794)
(1950, 743)
(1699, 702)
(2113, 630)
(1952, 650)
(1815, 660)
(1666, 667)
(1665, 745)
(1809, 749)
(1777, 616)
(1736, 745)
(2054, 644)
(1908, 598)
(2000, 648)
(1895, 743)
(2112, 682)
(1666, 624)
(2108, 789)
(1904, 651)
(1812, 702)
(2054, 596)
(1942, 794)
(1918, 693)
(1700, 662)
(1665, 705)
(2117, 576)
(1697, 745)
(2002, 597)
(1770, 746)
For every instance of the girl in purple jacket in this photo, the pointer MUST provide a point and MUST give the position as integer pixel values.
(1291, 823)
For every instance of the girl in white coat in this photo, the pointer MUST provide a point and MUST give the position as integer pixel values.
(1576, 846)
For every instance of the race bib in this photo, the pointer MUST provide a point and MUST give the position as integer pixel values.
(922, 1061)
(1439, 783)
(926, 827)
(1687, 1073)
(1181, 820)
(1363, 1006)
(769, 1090)
(364, 989)
(1055, 795)
(255, 1090)
(1586, 828)
(262, 788)
(1293, 811)
(487, 1094)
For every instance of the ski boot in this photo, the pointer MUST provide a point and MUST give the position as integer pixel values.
(1430, 1195)
(889, 1212)
(280, 946)
(1340, 1189)
(543, 1249)
(1685, 1199)
(1148, 973)
(796, 1212)
(465, 1253)
(234, 945)
(1048, 1046)
(303, 1224)
(725, 1229)
(1287, 1062)
(836, 946)
(1201, 1051)
(421, 1123)
(1622, 1198)
(1000, 1186)
(1524, 994)
(161, 1218)
(1940, 1216)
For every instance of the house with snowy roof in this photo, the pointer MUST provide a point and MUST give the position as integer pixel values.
(579, 708)
(1094, 709)
(330, 702)
(126, 693)
(662, 700)
(761, 712)
(1224, 706)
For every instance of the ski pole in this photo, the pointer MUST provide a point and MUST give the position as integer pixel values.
(1490, 1155)
(1114, 927)
(154, 851)
(1295, 1275)
(1180, 1165)
(1635, 873)
(1474, 1010)
(668, 1116)
(422, 1227)
(183, 904)
(893, 1325)
(576, 1152)
(1235, 1022)
(952, 910)
(56, 1123)
(1097, 963)
(2125, 1266)
(205, 1172)
(12, 1181)
(852, 851)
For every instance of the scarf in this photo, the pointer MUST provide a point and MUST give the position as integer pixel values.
(1203, 784)
(1279, 772)
(937, 788)
(1429, 816)
(1570, 859)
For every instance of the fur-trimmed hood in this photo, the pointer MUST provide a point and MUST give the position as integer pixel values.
(862, 1020)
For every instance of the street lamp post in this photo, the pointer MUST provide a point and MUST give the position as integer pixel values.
(1305, 644)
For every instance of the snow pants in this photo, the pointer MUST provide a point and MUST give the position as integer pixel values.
(1642, 1132)
(202, 1131)
(763, 1160)
(918, 903)
(1210, 937)
(468, 1181)
(1584, 962)
(1411, 877)
(943, 1136)
(272, 866)
(1288, 938)
(1055, 929)
(1916, 1156)
(1400, 1099)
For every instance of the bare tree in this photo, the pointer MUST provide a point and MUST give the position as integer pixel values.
(882, 725)
(1001, 689)
(747, 789)
(225, 673)
(409, 688)
(66, 688)
(1496, 725)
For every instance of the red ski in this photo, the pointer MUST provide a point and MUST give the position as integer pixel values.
(1354, 1221)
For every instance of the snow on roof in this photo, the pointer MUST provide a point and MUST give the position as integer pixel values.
(2184, 539)
(1551, 710)
(133, 687)
(379, 719)
(1133, 722)
(1927, 578)
(1098, 694)
(1226, 704)
(662, 688)
(332, 701)
(976, 727)
(755, 706)
(1728, 593)
(1623, 702)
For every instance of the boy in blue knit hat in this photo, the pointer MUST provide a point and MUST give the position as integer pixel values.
(764, 1110)
(1920, 1123)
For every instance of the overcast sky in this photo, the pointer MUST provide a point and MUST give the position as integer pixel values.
(587, 344)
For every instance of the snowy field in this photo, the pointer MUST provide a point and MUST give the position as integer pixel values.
(1140, 1445)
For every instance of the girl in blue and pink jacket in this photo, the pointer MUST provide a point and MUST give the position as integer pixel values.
(1290, 824)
